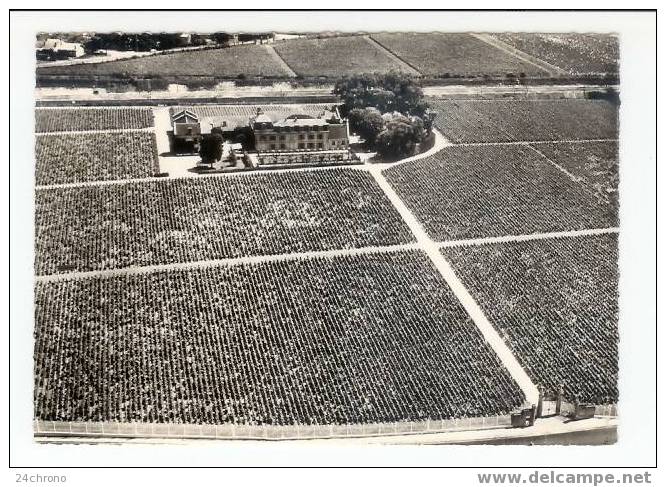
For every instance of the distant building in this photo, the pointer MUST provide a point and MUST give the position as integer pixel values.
(300, 133)
(58, 49)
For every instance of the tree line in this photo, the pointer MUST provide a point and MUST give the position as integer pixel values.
(148, 41)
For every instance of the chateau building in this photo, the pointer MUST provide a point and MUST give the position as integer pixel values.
(300, 133)
(295, 133)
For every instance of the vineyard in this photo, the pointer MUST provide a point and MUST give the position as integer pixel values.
(437, 55)
(576, 53)
(525, 120)
(495, 190)
(555, 301)
(183, 220)
(594, 163)
(246, 60)
(335, 56)
(453, 55)
(75, 158)
(77, 119)
(320, 341)
(206, 316)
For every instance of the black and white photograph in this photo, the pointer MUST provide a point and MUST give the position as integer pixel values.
(329, 237)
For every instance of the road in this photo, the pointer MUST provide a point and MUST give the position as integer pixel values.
(602, 436)
(229, 91)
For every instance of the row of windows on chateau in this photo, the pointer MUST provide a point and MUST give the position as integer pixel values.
(309, 145)
(284, 137)
(295, 128)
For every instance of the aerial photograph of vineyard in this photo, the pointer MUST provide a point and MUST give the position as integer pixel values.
(372, 237)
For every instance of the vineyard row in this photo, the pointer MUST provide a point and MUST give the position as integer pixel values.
(318, 341)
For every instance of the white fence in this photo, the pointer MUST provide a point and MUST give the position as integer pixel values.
(274, 432)
(267, 158)
(263, 432)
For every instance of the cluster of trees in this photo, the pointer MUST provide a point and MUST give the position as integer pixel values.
(609, 94)
(388, 111)
(147, 41)
(143, 41)
(391, 92)
(224, 38)
(393, 134)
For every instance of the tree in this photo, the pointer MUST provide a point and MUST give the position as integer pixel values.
(198, 40)
(211, 148)
(408, 94)
(161, 41)
(354, 91)
(429, 120)
(386, 92)
(93, 44)
(221, 38)
(400, 136)
(609, 94)
(366, 122)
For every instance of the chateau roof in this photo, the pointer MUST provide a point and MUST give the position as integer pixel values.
(184, 115)
(301, 122)
(263, 118)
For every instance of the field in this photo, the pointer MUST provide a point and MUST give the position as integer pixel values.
(495, 190)
(183, 220)
(445, 55)
(432, 54)
(525, 120)
(439, 55)
(74, 158)
(349, 341)
(595, 164)
(335, 57)
(78, 119)
(238, 115)
(247, 60)
(181, 300)
(555, 302)
(575, 53)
